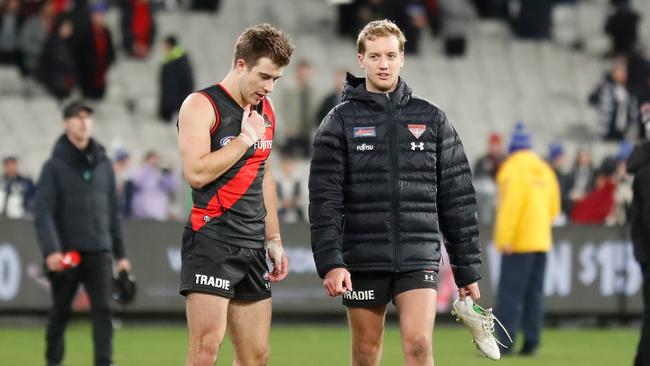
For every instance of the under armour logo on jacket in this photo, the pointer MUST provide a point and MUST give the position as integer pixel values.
(419, 146)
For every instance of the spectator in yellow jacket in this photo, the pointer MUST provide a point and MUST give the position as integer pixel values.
(528, 201)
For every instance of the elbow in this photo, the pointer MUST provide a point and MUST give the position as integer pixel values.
(196, 181)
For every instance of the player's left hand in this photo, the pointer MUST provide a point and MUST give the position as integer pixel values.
(471, 290)
(123, 264)
(279, 259)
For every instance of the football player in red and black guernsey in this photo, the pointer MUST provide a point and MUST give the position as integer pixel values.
(225, 136)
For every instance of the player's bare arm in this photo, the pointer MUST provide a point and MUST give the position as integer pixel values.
(272, 228)
(196, 118)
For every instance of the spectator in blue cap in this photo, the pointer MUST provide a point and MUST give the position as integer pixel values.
(528, 202)
(520, 139)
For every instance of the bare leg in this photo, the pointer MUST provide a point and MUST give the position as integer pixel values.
(417, 313)
(249, 324)
(206, 321)
(367, 328)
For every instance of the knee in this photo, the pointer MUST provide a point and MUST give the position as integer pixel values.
(368, 349)
(418, 347)
(261, 357)
(252, 357)
(207, 346)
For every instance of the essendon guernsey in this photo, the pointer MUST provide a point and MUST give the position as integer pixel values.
(231, 208)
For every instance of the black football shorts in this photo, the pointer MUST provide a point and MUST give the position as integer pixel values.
(214, 267)
(378, 288)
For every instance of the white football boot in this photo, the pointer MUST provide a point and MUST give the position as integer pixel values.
(480, 322)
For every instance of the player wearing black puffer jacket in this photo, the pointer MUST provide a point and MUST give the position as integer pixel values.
(390, 183)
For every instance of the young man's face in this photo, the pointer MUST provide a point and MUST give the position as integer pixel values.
(79, 127)
(382, 62)
(258, 81)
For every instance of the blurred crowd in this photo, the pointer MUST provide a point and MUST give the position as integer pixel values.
(66, 45)
(591, 192)
(451, 20)
(67, 48)
(145, 191)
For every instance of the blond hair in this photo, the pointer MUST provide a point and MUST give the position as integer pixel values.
(376, 29)
(263, 40)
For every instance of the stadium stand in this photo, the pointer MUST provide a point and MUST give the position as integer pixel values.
(501, 80)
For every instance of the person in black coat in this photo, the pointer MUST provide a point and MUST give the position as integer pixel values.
(533, 20)
(622, 28)
(639, 165)
(76, 209)
(176, 79)
(10, 24)
(56, 68)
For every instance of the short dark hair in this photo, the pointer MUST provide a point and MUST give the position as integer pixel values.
(171, 40)
(73, 108)
(263, 40)
(8, 159)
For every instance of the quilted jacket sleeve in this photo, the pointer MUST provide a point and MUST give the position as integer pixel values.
(326, 180)
(457, 205)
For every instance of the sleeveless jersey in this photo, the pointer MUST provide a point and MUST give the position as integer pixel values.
(231, 208)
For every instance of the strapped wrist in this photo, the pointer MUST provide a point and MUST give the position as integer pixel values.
(246, 139)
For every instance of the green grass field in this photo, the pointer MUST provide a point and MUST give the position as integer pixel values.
(306, 345)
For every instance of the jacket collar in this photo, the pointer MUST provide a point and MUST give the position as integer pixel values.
(88, 158)
(355, 89)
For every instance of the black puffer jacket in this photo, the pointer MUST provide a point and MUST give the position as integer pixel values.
(389, 179)
(76, 203)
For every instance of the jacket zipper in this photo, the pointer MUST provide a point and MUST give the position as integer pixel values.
(394, 184)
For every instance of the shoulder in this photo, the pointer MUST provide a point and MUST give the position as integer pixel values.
(340, 113)
(50, 167)
(345, 108)
(197, 100)
(509, 164)
(433, 112)
(334, 121)
(197, 108)
(425, 105)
